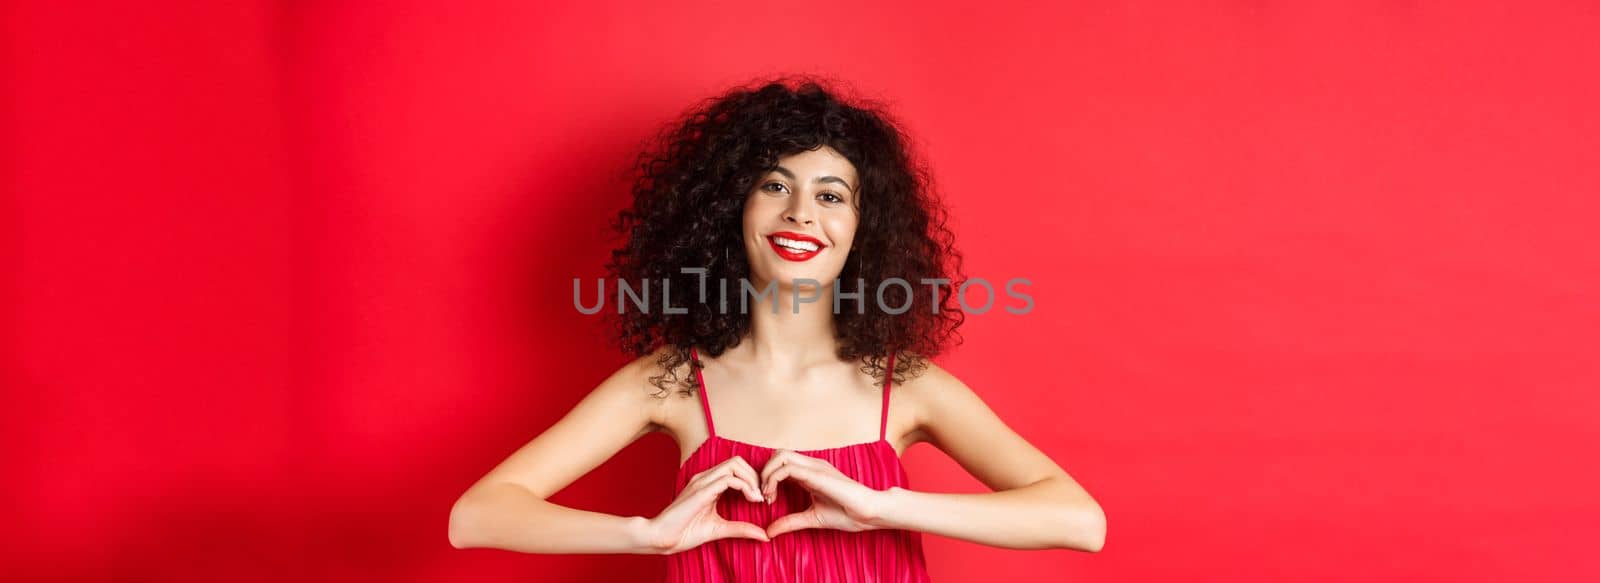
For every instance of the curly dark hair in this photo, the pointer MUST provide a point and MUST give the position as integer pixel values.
(688, 201)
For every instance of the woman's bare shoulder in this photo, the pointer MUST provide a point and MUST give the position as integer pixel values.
(920, 390)
(926, 378)
(646, 380)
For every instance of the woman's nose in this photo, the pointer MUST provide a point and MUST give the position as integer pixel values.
(798, 212)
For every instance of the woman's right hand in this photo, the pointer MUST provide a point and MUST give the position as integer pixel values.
(692, 519)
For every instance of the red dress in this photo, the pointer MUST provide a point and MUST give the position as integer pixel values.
(820, 555)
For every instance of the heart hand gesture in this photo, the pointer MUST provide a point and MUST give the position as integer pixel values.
(837, 501)
(691, 520)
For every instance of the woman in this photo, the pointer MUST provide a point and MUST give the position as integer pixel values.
(784, 189)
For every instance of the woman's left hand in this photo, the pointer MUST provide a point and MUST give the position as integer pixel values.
(837, 501)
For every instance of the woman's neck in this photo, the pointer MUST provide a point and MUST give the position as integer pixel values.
(798, 335)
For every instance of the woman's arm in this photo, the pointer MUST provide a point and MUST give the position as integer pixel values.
(1035, 504)
(508, 516)
(507, 508)
(1036, 516)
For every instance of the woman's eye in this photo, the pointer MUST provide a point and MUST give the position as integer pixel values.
(769, 187)
(834, 197)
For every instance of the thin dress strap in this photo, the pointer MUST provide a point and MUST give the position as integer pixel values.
(705, 404)
(888, 380)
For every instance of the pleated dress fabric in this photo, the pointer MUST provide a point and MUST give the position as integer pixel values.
(811, 555)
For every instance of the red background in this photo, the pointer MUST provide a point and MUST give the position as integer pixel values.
(1315, 285)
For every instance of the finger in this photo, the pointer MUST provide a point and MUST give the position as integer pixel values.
(720, 471)
(704, 493)
(712, 474)
(794, 522)
(733, 466)
(789, 457)
(770, 488)
(778, 460)
(708, 493)
(741, 529)
(742, 485)
(707, 475)
(742, 469)
(769, 485)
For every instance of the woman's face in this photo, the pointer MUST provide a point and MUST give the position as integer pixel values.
(801, 218)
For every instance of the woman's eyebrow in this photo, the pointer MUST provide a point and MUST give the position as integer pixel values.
(790, 175)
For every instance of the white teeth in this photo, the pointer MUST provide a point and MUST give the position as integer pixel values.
(798, 246)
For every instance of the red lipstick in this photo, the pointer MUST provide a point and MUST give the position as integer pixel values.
(795, 245)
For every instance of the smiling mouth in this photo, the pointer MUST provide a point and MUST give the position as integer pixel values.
(794, 249)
